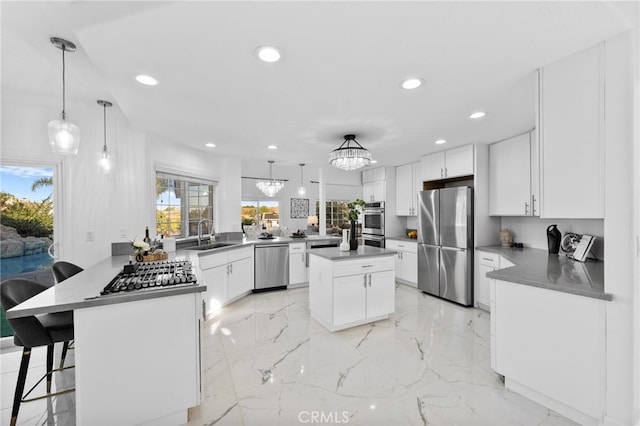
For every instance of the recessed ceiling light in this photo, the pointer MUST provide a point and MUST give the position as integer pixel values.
(268, 53)
(272, 146)
(147, 80)
(440, 141)
(477, 114)
(412, 83)
(210, 145)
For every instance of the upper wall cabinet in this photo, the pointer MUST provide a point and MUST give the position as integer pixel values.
(571, 123)
(448, 164)
(513, 177)
(373, 185)
(408, 183)
(373, 175)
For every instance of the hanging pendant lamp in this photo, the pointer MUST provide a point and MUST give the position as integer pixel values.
(64, 136)
(270, 187)
(105, 161)
(348, 156)
(301, 190)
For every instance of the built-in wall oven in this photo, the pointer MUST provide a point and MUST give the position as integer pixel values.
(373, 227)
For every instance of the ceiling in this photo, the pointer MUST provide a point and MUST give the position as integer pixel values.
(341, 68)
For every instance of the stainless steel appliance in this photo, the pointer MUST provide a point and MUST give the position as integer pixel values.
(311, 245)
(271, 266)
(373, 240)
(445, 243)
(373, 218)
(148, 276)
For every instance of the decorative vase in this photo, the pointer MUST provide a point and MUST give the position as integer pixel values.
(344, 245)
(353, 241)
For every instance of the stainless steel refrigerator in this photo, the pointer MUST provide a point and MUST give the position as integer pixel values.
(445, 243)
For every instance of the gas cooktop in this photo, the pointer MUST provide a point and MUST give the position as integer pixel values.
(151, 276)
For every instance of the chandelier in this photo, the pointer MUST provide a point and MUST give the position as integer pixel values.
(348, 156)
(270, 187)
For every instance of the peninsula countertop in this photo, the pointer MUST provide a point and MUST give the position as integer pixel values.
(334, 253)
(538, 268)
(82, 291)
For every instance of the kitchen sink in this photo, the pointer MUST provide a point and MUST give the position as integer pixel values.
(211, 246)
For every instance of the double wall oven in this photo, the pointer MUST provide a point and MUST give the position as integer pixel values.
(373, 227)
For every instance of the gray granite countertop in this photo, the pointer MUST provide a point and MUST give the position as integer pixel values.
(334, 253)
(82, 290)
(234, 244)
(402, 238)
(538, 268)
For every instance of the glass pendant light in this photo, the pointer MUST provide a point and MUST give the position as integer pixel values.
(105, 161)
(350, 157)
(64, 136)
(270, 187)
(301, 190)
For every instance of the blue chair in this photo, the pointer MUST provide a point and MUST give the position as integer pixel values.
(30, 332)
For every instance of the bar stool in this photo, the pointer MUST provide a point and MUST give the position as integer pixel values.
(30, 332)
(61, 271)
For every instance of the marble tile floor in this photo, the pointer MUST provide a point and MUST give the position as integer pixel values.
(267, 362)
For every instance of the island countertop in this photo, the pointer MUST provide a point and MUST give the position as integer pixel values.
(334, 253)
(82, 291)
(538, 268)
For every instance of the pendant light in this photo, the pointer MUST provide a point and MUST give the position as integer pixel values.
(301, 190)
(270, 187)
(64, 136)
(348, 156)
(105, 161)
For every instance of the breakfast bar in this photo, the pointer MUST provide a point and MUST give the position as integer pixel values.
(350, 288)
(137, 353)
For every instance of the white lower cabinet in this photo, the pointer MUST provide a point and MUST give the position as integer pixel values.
(297, 264)
(406, 261)
(486, 262)
(227, 275)
(550, 346)
(346, 293)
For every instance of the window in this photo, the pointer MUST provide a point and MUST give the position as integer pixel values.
(181, 203)
(337, 213)
(265, 214)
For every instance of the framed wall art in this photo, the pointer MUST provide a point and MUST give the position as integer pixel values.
(299, 208)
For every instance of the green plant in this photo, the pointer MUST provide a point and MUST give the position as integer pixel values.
(355, 208)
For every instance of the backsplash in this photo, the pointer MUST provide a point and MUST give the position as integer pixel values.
(532, 231)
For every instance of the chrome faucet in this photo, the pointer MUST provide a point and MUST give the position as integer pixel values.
(200, 229)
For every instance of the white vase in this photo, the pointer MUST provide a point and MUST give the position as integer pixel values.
(344, 246)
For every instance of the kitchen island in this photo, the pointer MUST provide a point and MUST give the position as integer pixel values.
(350, 288)
(137, 354)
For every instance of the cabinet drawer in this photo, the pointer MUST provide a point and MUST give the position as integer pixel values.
(489, 259)
(408, 246)
(240, 253)
(363, 266)
(297, 247)
(212, 260)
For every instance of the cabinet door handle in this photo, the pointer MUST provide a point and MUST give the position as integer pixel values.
(533, 204)
(231, 268)
(441, 172)
(445, 172)
(369, 280)
(486, 258)
(303, 257)
(526, 208)
(365, 280)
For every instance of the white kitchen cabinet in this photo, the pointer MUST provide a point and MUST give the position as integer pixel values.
(571, 123)
(513, 186)
(346, 293)
(408, 183)
(373, 191)
(297, 264)
(550, 346)
(486, 262)
(448, 164)
(406, 261)
(227, 275)
(373, 175)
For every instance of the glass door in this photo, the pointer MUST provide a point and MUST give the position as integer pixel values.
(27, 205)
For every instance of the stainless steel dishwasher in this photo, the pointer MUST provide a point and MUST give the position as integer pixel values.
(271, 266)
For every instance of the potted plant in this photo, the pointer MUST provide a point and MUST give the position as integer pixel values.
(355, 208)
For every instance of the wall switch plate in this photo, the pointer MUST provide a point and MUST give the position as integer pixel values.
(90, 236)
(123, 232)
